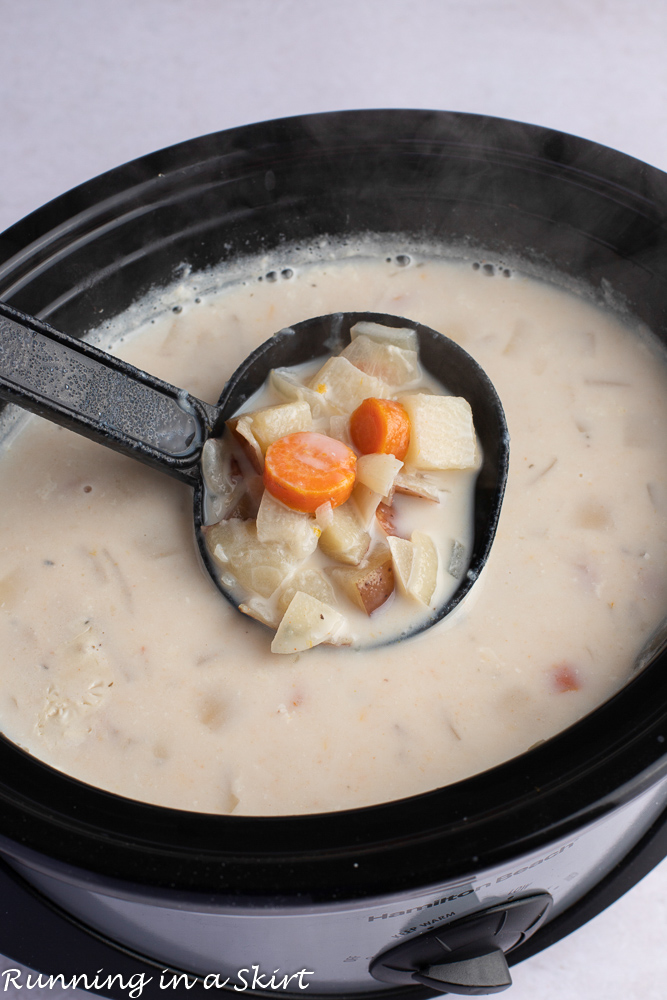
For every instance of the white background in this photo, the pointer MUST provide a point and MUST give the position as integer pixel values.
(88, 84)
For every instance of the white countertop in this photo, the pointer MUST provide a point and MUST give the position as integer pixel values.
(88, 84)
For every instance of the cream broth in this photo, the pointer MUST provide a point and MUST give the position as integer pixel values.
(124, 667)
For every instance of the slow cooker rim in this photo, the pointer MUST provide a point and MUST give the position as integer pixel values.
(157, 166)
(58, 831)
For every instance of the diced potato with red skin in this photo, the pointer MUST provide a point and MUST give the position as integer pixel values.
(273, 422)
(345, 540)
(278, 523)
(371, 585)
(385, 516)
(258, 566)
(306, 623)
(345, 386)
(416, 484)
(442, 435)
(307, 581)
(378, 472)
(399, 336)
(397, 367)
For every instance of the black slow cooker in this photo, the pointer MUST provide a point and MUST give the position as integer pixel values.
(415, 897)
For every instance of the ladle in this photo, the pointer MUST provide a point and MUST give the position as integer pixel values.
(79, 386)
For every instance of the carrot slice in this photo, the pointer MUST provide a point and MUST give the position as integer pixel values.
(381, 425)
(306, 469)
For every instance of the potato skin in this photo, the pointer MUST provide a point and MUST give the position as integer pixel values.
(371, 585)
(376, 587)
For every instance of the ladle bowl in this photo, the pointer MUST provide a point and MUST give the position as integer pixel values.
(442, 358)
(85, 389)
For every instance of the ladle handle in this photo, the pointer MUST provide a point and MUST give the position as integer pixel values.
(98, 395)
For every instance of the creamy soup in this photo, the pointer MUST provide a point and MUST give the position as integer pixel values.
(375, 555)
(123, 666)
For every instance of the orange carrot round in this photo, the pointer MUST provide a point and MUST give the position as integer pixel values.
(381, 425)
(306, 469)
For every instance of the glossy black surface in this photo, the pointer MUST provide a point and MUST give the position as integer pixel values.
(552, 199)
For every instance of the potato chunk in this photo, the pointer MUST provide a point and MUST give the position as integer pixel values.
(339, 427)
(306, 623)
(367, 502)
(261, 611)
(370, 585)
(288, 385)
(277, 523)
(442, 435)
(416, 484)
(274, 422)
(402, 553)
(307, 581)
(394, 365)
(399, 336)
(258, 566)
(378, 472)
(222, 478)
(386, 519)
(345, 540)
(415, 564)
(424, 571)
(241, 429)
(344, 386)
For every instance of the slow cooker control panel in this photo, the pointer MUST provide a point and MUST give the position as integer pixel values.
(466, 956)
